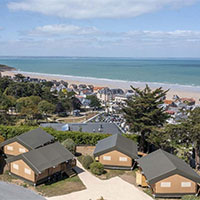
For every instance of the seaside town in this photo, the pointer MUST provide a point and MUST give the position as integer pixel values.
(68, 141)
(99, 100)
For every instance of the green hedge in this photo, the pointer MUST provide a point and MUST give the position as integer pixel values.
(79, 138)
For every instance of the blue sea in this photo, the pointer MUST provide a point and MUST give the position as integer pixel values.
(163, 71)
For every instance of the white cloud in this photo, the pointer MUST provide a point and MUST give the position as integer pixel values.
(62, 29)
(92, 37)
(85, 9)
(65, 30)
(71, 40)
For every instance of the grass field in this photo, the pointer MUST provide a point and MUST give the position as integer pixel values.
(62, 187)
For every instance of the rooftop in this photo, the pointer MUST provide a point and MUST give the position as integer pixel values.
(44, 157)
(161, 164)
(109, 128)
(116, 142)
(31, 139)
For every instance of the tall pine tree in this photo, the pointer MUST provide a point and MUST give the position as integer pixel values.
(143, 113)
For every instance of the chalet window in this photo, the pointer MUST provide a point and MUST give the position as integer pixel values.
(10, 148)
(107, 158)
(165, 184)
(186, 184)
(123, 159)
(16, 166)
(22, 150)
(27, 171)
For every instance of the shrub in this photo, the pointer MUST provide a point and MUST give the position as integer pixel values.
(87, 160)
(70, 145)
(190, 197)
(97, 168)
(80, 158)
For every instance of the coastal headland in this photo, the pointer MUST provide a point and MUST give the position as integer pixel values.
(6, 68)
(183, 91)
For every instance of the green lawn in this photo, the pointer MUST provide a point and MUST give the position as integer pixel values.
(61, 187)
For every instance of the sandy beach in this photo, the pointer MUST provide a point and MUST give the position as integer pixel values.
(180, 90)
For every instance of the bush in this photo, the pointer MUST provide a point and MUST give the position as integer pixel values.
(87, 160)
(97, 168)
(190, 197)
(80, 158)
(70, 145)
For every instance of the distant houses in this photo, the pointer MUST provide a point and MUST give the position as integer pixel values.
(178, 108)
(36, 157)
(116, 152)
(167, 175)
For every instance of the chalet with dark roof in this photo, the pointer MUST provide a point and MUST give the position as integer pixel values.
(116, 152)
(39, 165)
(167, 175)
(25, 142)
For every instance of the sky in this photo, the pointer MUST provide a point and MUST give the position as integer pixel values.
(100, 28)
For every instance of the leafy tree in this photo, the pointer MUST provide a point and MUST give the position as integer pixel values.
(95, 102)
(27, 107)
(143, 113)
(76, 104)
(70, 145)
(47, 95)
(35, 99)
(190, 132)
(60, 108)
(5, 119)
(19, 77)
(6, 101)
(159, 138)
(4, 83)
(45, 107)
(19, 90)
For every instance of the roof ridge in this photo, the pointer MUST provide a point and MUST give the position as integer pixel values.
(164, 153)
(116, 138)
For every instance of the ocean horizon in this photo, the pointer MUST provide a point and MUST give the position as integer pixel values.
(167, 72)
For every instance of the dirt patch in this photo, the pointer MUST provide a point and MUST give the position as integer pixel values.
(85, 150)
(128, 177)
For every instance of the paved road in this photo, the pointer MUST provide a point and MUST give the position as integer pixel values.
(10, 191)
(112, 189)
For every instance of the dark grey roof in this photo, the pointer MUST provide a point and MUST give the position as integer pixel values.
(160, 164)
(110, 128)
(10, 191)
(45, 157)
(116, 142)
(31, 139)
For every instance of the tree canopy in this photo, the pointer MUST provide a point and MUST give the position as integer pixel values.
(143, 112)
(94, 101)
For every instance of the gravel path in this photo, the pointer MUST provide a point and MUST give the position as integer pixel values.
(112, 189)
(10, 191)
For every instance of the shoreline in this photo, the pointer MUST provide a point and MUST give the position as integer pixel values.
(180, 90)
